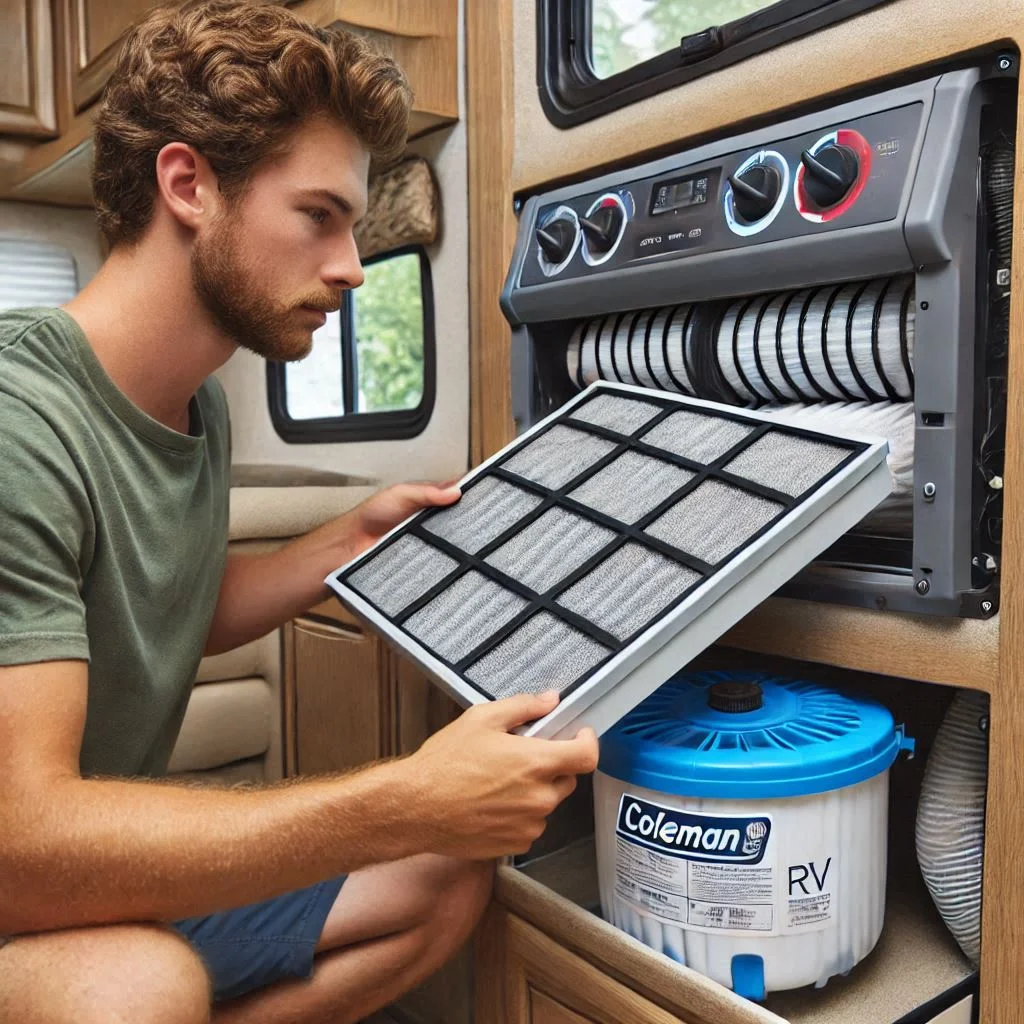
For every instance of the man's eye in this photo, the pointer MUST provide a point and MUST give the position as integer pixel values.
(318, 216)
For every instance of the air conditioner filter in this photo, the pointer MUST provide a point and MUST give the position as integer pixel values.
(609, 545)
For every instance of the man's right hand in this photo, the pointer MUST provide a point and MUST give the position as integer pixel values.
(487, 793)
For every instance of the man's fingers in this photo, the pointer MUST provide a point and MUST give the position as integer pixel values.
(432, 494)
(576, 756)
(565, 786)
(525, 707)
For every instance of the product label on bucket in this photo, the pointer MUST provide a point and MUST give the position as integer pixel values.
(714, 873)
(809, 894)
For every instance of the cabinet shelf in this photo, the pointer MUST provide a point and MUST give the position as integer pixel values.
(950, 652)
(915, 961)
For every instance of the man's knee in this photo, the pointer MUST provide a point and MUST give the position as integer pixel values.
(144, 974)
(461, 900)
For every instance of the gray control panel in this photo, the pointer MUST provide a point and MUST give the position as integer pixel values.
(694, 207)
(820, 198)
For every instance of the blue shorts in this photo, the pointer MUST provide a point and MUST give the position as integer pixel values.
(254, 946)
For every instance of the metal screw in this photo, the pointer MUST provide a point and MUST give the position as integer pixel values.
(983, 723)
(928, 491)
(1002, 277)
(1004, 63)
(924, 305)
(922, 586)
(986, 607)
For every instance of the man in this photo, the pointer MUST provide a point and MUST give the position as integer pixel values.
(232, 152)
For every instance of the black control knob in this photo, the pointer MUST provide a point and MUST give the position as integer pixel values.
(829, 174)
(735, 697)
(602, 227)
(755, 191)
(556, 239)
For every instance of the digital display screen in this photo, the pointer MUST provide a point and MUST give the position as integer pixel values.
(678, 194)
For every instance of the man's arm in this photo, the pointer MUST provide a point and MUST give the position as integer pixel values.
(261, 592)
(77, 851)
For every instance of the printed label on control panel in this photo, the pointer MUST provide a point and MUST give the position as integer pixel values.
(714, 873)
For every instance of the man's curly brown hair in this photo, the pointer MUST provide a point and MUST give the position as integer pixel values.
(234, 79)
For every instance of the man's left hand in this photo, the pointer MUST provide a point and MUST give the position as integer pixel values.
(384, 511)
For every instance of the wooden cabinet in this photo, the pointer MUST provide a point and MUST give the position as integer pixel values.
(95, 28)
(57, 56)
(546, 984)
(349, 699)
(28, 36)
(339, 711)
(525, 976)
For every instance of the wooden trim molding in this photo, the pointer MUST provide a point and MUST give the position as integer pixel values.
(1002, 982)
(492, 223)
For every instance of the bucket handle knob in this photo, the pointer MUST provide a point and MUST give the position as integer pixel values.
(906, 743)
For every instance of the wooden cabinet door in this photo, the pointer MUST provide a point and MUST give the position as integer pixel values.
(418, 706)
(27, 90)
(338, 713)
(546, 984)
(96, 29)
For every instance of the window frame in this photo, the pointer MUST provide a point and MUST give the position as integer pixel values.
(393, 425)
(571, 93)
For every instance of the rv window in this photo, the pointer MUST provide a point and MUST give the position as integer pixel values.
(370, 373)
(628, 32)
(595, 56)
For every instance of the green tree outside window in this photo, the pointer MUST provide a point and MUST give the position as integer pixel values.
(389, 335)
(627, 32)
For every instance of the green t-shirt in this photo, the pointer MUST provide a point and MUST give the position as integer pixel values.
(113, 537)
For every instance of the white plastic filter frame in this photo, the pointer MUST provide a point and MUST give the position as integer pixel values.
(672, 639)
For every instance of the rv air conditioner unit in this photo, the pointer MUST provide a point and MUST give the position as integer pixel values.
(849, 266)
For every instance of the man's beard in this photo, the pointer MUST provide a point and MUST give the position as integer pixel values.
(226, 285)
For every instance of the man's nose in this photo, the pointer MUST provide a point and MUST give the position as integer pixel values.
(345, 269)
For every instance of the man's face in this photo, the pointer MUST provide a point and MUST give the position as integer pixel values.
(273, 263)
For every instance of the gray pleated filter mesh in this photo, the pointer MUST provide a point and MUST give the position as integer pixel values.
(696, 435)
(578, 542)
(547, 550)
(714, 520)
(628, 589)
(789, 464)
(545, 654)
(402, 572)
(472, 608)
(483, 513)
(628, 488)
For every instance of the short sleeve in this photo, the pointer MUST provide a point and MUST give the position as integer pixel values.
(47, 533)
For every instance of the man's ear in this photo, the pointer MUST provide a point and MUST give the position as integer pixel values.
(187, 184)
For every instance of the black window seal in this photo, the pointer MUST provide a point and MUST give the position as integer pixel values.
(571, 93)
(397, 425)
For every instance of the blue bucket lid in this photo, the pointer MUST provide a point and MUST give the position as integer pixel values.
(743, 735)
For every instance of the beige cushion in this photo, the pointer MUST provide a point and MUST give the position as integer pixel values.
(241, 663)
(269, 512)
(225, 722)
